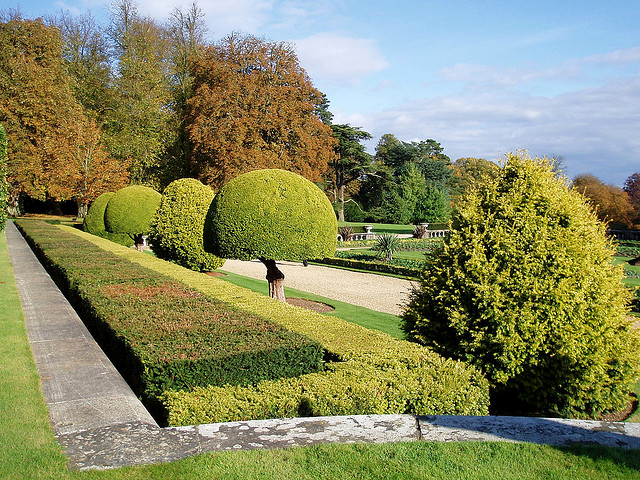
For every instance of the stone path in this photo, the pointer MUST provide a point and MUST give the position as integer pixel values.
(377, 292)
(100, 423)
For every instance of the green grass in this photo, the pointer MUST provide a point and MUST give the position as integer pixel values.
(633, 269)
(385, 322)
(28, 449)
(379, 227)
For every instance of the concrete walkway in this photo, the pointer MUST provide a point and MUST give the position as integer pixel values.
(377, 292)
(100, 423)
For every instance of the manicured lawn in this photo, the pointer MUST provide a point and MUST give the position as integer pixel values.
(28, 449)
(634, 270)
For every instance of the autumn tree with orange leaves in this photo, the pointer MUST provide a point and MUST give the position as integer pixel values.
(255, 107)
(611, 203)
(54, 153)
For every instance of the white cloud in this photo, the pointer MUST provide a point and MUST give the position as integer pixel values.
(595, 129)
(338, 58)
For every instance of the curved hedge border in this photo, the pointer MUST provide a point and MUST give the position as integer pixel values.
(162, 334)
(371, 266)
(424, 383)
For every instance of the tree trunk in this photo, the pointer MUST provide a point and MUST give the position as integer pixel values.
(83, 208)
(276, 280)
(341, 208)
(139, 241)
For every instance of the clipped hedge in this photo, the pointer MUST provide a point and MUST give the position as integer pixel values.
(371, 266)
(448, 387)
(176, 227)
(94, 221)
(417, 385)
(162, 334)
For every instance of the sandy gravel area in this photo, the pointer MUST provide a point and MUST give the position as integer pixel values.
(377, 292)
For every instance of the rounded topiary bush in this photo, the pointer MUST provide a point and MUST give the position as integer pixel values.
(176, 227)
(130, 211)
(94, 221)
(524, 288)
(271, 215)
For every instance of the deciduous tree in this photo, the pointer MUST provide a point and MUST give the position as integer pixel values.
(611, 203)
(140, 124)
(255, 107)
(38, 110)
(632, 187)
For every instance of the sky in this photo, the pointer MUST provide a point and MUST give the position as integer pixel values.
(554, 77)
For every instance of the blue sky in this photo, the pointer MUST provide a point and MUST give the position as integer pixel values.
(555, 77)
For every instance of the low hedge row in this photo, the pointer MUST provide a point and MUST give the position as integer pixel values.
(370, 265)
(161, 333)
(365, 386)
(409, 378)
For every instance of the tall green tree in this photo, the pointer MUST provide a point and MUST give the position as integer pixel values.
(255, 107)
(524, 289)
(186, 33)
(350, 162)
(140, 123)
(426, 155)
(87, 57)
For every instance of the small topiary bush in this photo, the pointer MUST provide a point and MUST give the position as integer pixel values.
(130, 211)
(272, 214)
(176, 227)
(94, 221)
(525, 290)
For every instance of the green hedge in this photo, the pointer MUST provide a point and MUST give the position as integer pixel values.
(162, 333)
(418, 385)
(360, 357)
(371, 266)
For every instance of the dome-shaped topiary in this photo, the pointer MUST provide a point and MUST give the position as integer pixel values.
(130, 211)
(271, 215)
(524, 288)
(176, 227)
(94, 221)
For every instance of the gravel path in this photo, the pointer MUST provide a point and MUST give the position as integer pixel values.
(377, 292)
